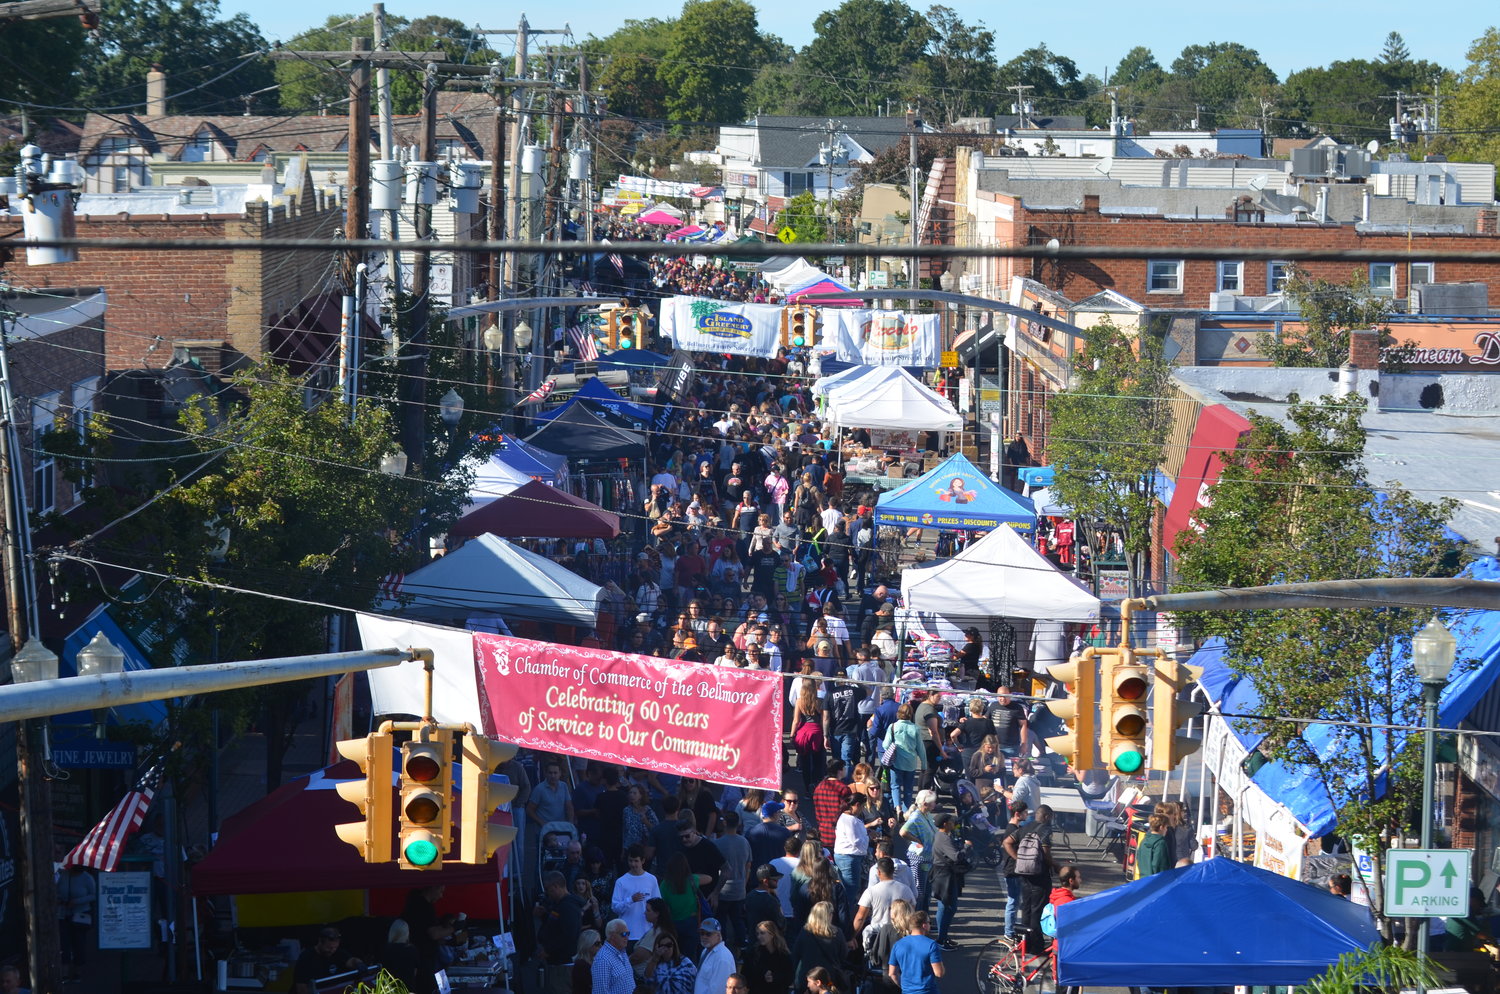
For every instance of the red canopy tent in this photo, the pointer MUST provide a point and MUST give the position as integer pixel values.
(285, 843)
(535, 510)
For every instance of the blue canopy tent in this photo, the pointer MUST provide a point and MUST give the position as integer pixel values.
(955, 495)
(1216, 923)
(523, 457)
(631, 360)
(596, 394)
(1299, 790)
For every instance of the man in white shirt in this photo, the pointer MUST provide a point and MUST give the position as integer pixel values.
(634, 888)
(837, 630)
(902, 871)
(717, 962)
(830, 516)
(786, 864)
(875, 902)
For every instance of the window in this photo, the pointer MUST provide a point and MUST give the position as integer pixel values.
(43, 469)
(1231, 277)
(85, 393)
(1423, 272)
(1383, 279)
(1277, 273)
(1164, 276)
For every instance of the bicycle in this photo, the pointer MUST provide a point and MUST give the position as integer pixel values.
(1004, 967)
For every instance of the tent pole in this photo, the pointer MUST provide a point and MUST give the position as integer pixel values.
(197, 941)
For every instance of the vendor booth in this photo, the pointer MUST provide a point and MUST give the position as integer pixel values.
(601, 398)
(890, 397)
(581, 433)
(998, 576)
(1215, 924)
(955, 496)
(538, 511)
(491, 576)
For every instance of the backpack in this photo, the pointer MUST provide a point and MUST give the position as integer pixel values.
(1029, 858)
(1049, 920)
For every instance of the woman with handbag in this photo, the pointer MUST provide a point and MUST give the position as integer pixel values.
(904, 756)
(949, 864)
(807, 735)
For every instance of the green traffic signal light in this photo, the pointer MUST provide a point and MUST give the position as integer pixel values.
(1128, 761)
(420, 852)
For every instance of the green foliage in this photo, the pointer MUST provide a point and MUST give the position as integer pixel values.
(1108, 435)
(957, 76)
(1394, 52)
(1223, 79)
(1347, 99)
(384, 984)
(805, 215)
(41, 61)
(1054, 78)
(1382, 967)
(630, 59)
(852, 65)
(1329, 312)
(1294, 504)
(308, 84)
(1470, 112)
(711, 61)
(190, 43)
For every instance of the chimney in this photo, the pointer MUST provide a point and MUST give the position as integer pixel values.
(1364, 348)
(156, 92)
(1484, 223)
(1091, 203)
(1348, 379)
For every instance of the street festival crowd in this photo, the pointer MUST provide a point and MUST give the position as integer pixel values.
(751, 549)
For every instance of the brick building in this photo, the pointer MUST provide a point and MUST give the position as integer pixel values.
(257, 304)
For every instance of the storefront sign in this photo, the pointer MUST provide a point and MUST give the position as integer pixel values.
(716, 722)
(1435, 347)
(125, 910)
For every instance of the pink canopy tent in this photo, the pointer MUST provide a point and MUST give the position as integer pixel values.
(684, 231)
(827, 285)
(658, 216)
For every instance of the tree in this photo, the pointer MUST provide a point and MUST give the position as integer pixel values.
(210, 63)
(1108, 435)
(41, 61)
(631, 56)
(1469, 117)
(1222, 79)
(1294, 504)
(1329, 311)
(1138, 68)
(956, 77)
(1394, 51)
(711, 62)
(805, 215)
(1054, 78)
(852, 65)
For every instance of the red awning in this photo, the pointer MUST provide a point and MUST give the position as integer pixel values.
(1218, 430)
(535, 510)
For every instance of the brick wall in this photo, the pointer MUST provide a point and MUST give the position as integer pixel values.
(191, 295)
(1467, 797)
(48, 364)
(1081, 226)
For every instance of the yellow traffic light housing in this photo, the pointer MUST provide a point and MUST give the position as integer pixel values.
(1124, 704)
(1081, 677)
(1168, 711)
(478, 840)
(800, 322)
(426, 813)
(374, 796)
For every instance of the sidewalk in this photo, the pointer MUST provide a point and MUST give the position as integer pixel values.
(242, 766)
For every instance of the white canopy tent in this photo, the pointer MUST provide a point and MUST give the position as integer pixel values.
(890, 397)
(493, 478)
(998, 576)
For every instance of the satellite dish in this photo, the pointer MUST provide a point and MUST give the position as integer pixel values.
(1257, 182)
(1372, 146)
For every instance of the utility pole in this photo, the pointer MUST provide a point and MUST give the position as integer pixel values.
(1023, 119)
(357, 210)
(39, 885)
(553, 210)
(497, 234)
(1265, 122)
(913, 280)
(387, 147)
(413, 382)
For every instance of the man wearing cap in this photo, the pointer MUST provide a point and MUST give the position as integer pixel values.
(716, 963)
(322, 959)
(763, 904)
(768, 836)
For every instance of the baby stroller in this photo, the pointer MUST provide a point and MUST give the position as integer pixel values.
(975, 824)
(552, 852)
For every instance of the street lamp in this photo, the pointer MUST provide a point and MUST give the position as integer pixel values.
(1432, 653)
(493, 337)
(100, 657)
(451, 408)
(33, 662)
(523, 335)
(393, 463)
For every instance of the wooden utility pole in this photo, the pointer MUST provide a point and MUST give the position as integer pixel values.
(412, 388)
(357, 210)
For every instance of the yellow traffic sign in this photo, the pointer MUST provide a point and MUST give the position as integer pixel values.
(949, 360)
(786, 236)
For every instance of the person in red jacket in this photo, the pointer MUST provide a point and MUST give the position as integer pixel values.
(1069, 879)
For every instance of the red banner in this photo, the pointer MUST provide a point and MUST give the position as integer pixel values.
(718, 723)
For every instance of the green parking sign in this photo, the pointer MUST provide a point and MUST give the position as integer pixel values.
(1427, 882)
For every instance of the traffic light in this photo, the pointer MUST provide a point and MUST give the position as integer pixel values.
(478, 799)
(799, 324)
(1081, 677)
(1124, 703)
(1168, 711)
(426, 814)
(374, 796)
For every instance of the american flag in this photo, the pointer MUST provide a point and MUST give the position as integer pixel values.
(101, 848)
(588, 350)
(390, 586)
(617, 262)
(540, 393)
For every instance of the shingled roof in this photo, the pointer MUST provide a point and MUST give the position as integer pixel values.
(794, 141)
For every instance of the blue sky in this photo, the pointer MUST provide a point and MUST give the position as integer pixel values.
(1289, 34)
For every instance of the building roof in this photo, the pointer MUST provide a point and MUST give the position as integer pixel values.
(794, 141)
(1432, 451)
(52, 135)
